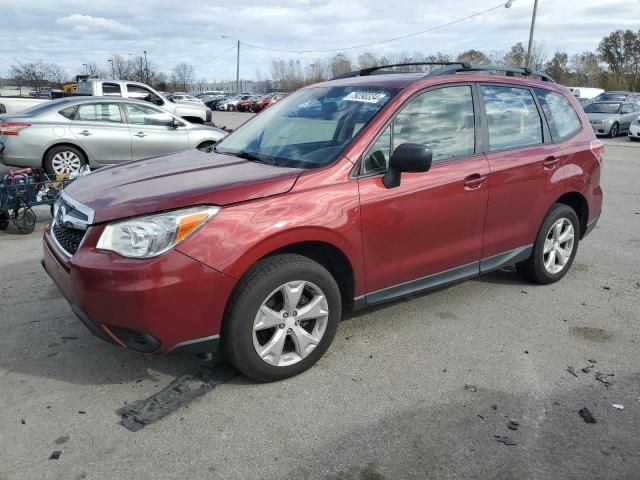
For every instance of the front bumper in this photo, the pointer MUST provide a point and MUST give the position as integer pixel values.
(601, 128)
(169, 304)
(634, 131)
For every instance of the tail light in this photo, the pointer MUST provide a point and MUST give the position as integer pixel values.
(597, 148)
(12, 128)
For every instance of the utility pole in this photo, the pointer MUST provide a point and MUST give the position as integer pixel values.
(146, 68)
(113, 72)
(533, 26)
(238, 69)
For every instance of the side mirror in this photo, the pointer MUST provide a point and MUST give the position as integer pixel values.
(408, 157)
(176, 123)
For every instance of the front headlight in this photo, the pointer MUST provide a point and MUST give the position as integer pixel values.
(153, 235)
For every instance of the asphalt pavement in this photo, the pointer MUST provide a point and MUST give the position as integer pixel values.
(419, 388)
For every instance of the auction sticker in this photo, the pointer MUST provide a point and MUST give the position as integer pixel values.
(366, 97)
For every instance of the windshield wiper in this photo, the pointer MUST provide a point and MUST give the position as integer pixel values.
(254, 157)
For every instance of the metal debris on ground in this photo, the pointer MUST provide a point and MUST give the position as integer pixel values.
(572, 371)
(618, 406)
(471, 388)
(136, 415)
(55, 455)
(586, 415)
(601, 378)
(513, 425)
(504, 439)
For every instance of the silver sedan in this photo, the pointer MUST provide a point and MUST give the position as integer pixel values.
(63, 135)
(611, 118)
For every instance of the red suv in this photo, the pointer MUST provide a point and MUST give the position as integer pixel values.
(343, 195)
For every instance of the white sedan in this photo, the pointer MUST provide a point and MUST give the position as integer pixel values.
(634, 130)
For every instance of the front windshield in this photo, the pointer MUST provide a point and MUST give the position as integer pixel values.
(602, 108)
(308, 129)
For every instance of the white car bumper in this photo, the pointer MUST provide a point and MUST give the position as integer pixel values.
(634, 131)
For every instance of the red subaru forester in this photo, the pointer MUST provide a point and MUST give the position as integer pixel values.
(343, 195)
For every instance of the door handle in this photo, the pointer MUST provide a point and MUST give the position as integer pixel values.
(550, 163)
(86, 133)
(475, 181)
(140, 134)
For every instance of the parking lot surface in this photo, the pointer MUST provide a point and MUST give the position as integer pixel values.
(419, 388)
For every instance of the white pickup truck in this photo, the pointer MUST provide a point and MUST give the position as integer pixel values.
(191, 112)
(18, 104)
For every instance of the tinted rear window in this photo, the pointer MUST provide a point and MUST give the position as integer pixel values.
(561, 117)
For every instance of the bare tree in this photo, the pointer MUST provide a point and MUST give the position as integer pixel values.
(473, 56)
(38, 74)
(340, 64)
(184, 74)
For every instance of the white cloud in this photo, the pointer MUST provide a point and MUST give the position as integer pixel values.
(87, 23)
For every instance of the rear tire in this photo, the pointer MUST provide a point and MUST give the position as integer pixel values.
(64, 159)
(553, 253)
(270, 286)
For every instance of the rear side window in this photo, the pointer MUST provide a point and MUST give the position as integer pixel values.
(99, 112)
(562, 119)
(512, 116)
(111, 89)
(69, 112)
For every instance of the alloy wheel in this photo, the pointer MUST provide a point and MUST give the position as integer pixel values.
(290, 323)
(558, 246)
(65, 162)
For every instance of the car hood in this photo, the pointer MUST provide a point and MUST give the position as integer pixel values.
(602, 116)
(177, 180)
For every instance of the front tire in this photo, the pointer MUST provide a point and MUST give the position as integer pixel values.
(281, 318)
(615, 129)
(555, 246)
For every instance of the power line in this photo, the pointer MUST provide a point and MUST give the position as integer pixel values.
(216, 57)
(501, 5)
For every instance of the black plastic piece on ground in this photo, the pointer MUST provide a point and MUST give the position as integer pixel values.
(138, 414)
(586, 415)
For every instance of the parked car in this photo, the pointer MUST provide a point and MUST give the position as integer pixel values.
(192, 112)
(231, 104)
(634, 130)
(586, 92)
(413, 182)
(63, 135)
(618, 97)
(268, 101)
(247, 104)
(611, 118)
(185, 99)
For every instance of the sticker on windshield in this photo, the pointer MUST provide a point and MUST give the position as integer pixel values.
(366, 97)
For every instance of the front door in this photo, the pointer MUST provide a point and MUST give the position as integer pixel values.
(103, 134)
(153, 133)
(429, 229)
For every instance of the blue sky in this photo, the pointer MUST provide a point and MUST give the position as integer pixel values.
(73, 32)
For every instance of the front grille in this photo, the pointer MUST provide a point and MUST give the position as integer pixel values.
(68, 238)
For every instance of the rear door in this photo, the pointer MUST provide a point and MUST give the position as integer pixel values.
(526, 177)
(102, 132)
(152, 132)
(428, 230)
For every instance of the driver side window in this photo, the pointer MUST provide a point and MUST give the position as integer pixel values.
(441, 119)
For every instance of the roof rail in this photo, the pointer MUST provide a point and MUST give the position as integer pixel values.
(451, 68)
(368, 71)
(509, 71)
